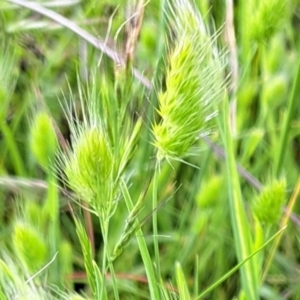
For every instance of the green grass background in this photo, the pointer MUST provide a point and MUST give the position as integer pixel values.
(41, 64)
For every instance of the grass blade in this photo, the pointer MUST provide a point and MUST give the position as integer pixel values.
(240, 225)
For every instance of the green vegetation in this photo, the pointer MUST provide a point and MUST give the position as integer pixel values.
(149, 150)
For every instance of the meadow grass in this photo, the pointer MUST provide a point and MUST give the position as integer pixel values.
(149, 150)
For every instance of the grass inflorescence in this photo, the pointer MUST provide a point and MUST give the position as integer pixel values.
(194, 83)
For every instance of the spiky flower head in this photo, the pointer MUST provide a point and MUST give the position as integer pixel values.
(43, 139)
(268, 205)
(265, 18)
(29, 246)
(89, 166)
(194, 83)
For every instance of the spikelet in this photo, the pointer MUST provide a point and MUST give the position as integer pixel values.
(43, 139)
(265, 18)
(194, 84)
(89, 166)
(29, 246)
(268, 205)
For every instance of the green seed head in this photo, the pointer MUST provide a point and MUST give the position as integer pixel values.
(194, 82)
(43, 139)
(29, 247)
(274, 90)
(89, 167)
(268, 204)
(210, 192)
(265, 18)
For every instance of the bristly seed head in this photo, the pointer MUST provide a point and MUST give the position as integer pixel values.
(43, 140)
(268, 205)
(89, 167)
(194, 84)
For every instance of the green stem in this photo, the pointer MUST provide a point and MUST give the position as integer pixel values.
(52, 208)
(104, 255)
(240, 226)
(154, 222)
(104, 223)
(244, 36)
(293, 101)
(153, 286)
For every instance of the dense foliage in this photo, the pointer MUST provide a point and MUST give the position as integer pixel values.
(149, 150)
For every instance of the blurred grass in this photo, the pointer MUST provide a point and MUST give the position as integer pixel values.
(40, 61)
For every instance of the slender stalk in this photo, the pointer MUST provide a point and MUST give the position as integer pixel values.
(52, 207)
(239, 220)
(153, 286)
(106, 256)
(293, 101)
(154, 222)
(244, 38)
(229, 28)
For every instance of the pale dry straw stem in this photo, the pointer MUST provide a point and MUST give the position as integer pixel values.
(133, 28)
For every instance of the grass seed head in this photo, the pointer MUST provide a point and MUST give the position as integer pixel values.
(43, 139)
(265, 18)
(268, 205)
(29, 247)
(194, 81)
(89, 167)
